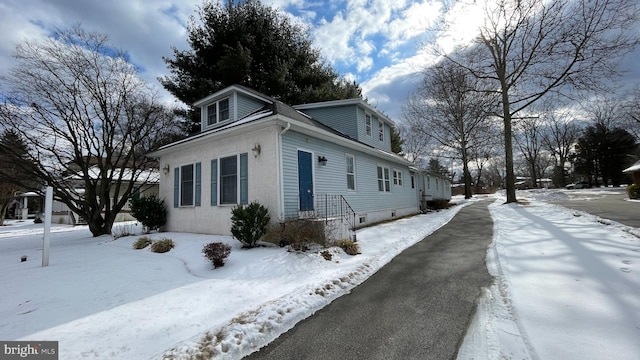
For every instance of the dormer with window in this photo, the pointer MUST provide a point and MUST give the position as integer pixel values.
(229, 105)
(218, 112)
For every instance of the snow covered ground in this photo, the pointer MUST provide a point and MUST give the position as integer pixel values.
(101, 299)
(566, 288)
(567, 285)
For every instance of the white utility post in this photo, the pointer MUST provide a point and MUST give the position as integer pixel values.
(46, 241)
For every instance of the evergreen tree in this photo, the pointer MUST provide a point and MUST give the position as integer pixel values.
(396, 142)
(601, 154)
(251, 44)
(13, 164)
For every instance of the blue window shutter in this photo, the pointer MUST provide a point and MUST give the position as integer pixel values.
(176, 187)
(214, 182)
(198, 186)
(244, 186)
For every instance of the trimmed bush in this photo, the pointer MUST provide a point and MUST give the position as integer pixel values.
(350, 247)
(216, 252)
(162, 246)
(37, 220)
(249, 223)
(150, 211)
(142, 243)
(633, 191)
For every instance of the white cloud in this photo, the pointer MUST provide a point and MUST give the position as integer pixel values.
(415, 20)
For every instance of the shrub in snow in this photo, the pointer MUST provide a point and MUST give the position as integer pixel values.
(438, 204)
(349, 246)
(216, 252)
(300, 234)
(37, 220)
(249, 223)
(633, 191)
(142, 243)
(150, 211)
(162, 246)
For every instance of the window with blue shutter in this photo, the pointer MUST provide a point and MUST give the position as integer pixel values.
(244, 186)
(176, 187)
(214, 182)
(198, 187)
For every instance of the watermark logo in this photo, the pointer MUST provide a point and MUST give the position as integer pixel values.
(38, 350)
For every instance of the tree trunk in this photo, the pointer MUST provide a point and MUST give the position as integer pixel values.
(510, 178)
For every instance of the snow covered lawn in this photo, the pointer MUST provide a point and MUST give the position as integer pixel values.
(567, 286)
(101, 299)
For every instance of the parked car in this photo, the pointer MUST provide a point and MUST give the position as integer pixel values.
(579, 185)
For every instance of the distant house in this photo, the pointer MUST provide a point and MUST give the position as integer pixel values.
(328, 159)
(31, 204)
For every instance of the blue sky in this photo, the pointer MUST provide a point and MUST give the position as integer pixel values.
(378, 43)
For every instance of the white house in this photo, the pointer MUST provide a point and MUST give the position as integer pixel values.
(322, 159)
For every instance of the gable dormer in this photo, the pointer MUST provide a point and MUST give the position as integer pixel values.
(355, 118)
(229, 105)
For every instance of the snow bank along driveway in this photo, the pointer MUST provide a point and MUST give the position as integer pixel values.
(567, 287)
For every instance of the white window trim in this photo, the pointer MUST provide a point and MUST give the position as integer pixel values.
(353, 158)
(397, 178)
(193, 186)
(380, 130)
(217, 105)
(386, 181)
(219, 180)
(368, 126)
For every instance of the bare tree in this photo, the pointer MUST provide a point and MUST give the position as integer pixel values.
(87, 119)
(561, 132)
(415, 145)
(448, 108)
(528, 138)
(529, 48)
(631, 113)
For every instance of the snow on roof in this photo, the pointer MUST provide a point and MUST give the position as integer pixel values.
(633, 168)
(151, 176)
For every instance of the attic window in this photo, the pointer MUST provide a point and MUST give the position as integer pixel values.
(218, 112)
(367, 124)
(380, 130)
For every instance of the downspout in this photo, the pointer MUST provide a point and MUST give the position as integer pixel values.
(281, 171)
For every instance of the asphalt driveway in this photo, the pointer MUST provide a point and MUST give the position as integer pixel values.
(609, 204)
(416, 307)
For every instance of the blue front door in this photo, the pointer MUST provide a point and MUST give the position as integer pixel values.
(305, 181)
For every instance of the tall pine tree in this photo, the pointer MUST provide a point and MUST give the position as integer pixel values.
(251, 44)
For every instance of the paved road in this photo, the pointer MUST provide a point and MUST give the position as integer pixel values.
(416, 307)
(610, 205)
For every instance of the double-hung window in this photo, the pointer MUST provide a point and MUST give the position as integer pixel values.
(380, 130)
(384, 184)
(229, 180)
(397, 177)
(351, 172)
(367, 124)
(218, 112)
(186, 185)
(186, 191)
